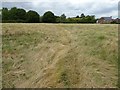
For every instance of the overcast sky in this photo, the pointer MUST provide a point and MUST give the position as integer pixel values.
(71, 8)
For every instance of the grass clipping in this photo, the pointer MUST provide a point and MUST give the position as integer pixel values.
(59, 55)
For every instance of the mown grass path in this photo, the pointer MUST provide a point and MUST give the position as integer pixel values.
(60, 55)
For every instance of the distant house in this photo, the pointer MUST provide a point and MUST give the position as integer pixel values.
(104, 20)
(117, 20)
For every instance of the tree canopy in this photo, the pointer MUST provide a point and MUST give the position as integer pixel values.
(20, 15)
(49, 17)
(13, 13)
(5, 14)
(32, 17)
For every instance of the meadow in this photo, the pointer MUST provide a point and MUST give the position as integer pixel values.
(60, 55)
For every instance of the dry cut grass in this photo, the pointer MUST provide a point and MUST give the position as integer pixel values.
(60, 55)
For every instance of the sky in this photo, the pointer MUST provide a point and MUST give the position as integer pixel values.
(71, 8)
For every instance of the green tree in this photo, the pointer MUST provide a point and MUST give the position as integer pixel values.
(0, 15)
(21, 14)
(62, 18)
(82, 15)
(49, 17)
(57, 19)
(90, 19)
(32, 17)
(77, 16)
(13, 14)
(5, 14)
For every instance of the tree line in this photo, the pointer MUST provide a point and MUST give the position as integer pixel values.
(19, 15)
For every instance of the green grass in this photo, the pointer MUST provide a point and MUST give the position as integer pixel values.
(60, 55)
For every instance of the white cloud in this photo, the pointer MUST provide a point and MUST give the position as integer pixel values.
(74, 7)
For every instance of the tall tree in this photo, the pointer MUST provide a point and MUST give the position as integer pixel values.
(77, 16)
(5, 14)
(49, 17)
(21, 14)
(82, 15)
(62, 18)
(32, 17)
(13, 14)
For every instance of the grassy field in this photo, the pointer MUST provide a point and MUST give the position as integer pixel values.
(60, 55)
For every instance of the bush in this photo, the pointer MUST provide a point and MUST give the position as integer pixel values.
(13, 21)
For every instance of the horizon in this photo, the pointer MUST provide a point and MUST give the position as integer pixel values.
(59, 15)
(69, 8)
